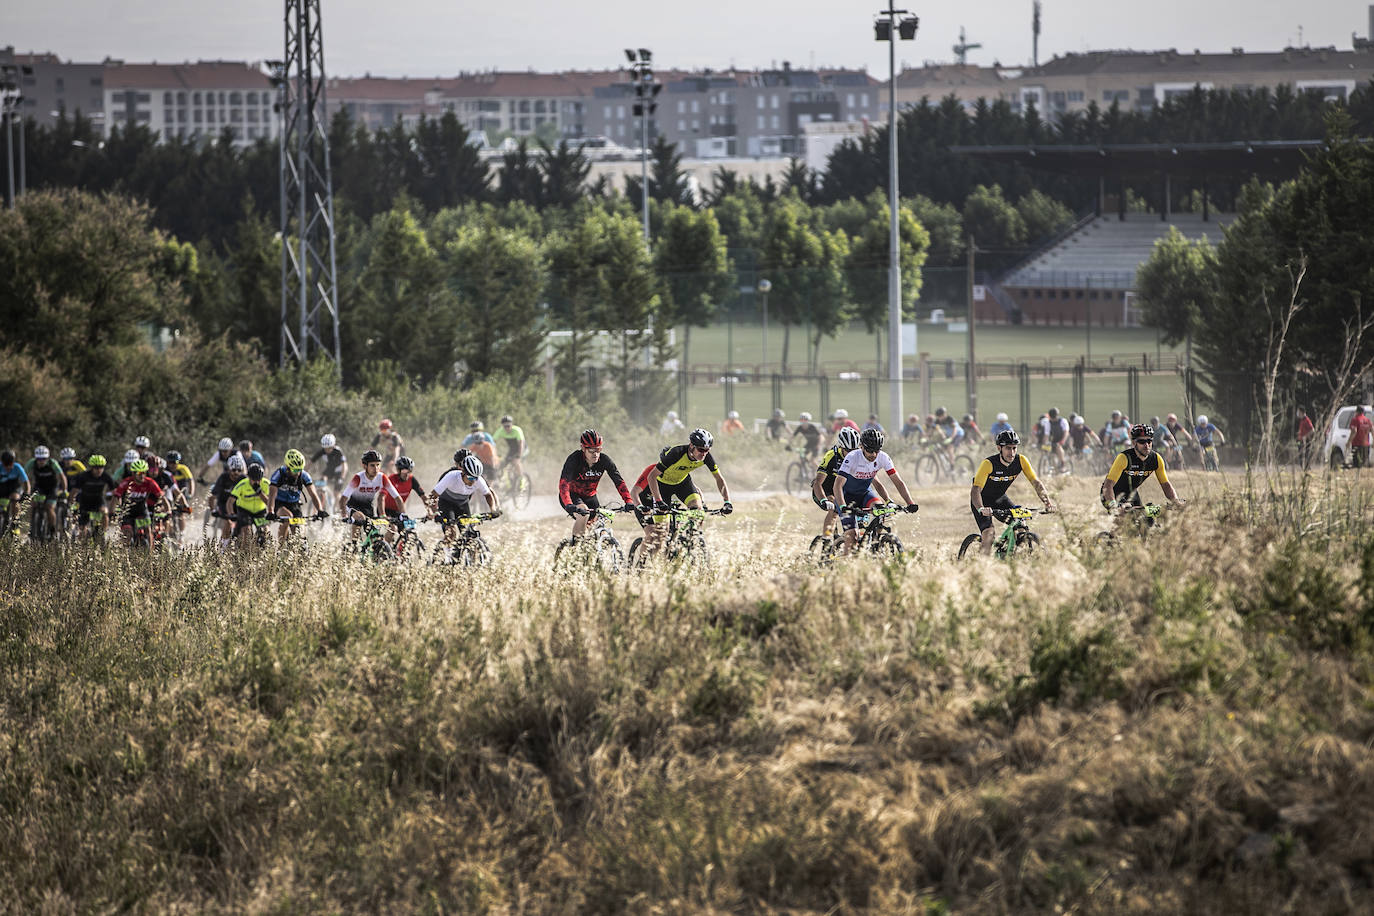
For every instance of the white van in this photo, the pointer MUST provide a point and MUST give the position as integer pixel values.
(1336, 453)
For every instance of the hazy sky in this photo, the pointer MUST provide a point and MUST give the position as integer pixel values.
(442, 37)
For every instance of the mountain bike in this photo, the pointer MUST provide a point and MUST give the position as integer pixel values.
(936, 467)
(683, 541)
(409, 548)
(874, 533)
(512, 488)
(1145, 518)
(467, 548)
(39, 532)
(1210, 462)
(597, 546)
(1015, 538)
(372, 543)
(1047, 466)
(799, 474)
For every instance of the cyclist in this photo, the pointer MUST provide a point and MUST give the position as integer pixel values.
(92, 489)
(641, 497)
(247, 501)
(143, 446)
(872, 423)
(732, 424)
(1204, 432)
(404, 482)
(391, 442)
(46, 480)
(673, 478)
(181, 474)
(158, 473)
(856, 478)
(14, 483)
(777, 424)
(994, 477)
(481, 444)
(1000, 425)
(1165, 444)
(1133, 467)
(1181, 438)
(123, 470)
(360, 496)
(912, 427)
(1082, 438)
(514, 439)
(972, 434)
(580, 477)
(811, 436)
(70, 466)
(138, 496)
(670, 425)
(841, 420)
(823, 484)
(451, 498)
(951, 434)
(285, 488)
(235, 469)
(225, 450)
(251, 455)
(1054, 430)
(1116, 432)
(335, 470)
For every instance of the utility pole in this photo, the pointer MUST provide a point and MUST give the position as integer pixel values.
(972, 334)
(646, 95)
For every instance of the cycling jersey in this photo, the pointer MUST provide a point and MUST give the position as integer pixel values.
(46, 477)
(1117, 434)
(858, 473)
(147, 488)
(168, 483)
(995, 477)
(1053, 431)
(675, 465)
(392, 440)
(364, 489)
(483, 446)
(91, 487)
(218, 457)
(1000, 426)
(334, 461)
(1080, 436)
(776, 427)
(1203, 434)
(830, 466)
(1129, 471)
(950, 431)
(220, 490)
(12, 479)
(514, 438)
(811, 435)
(403, 488)
(181, 474)
(578, 480)
(454, 488)
(72, 469)
(289, 486)
(249, 497)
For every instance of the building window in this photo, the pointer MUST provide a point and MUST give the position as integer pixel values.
(97, 81)
(524, 123)
(539, 106)
(621, 132)
(696, 124)
(775, 122)
(538, 120)
(863, 99)
(524, 106)
(236, 98)
(1075, 95)
(763, 103)
(620, 113)
(696, 106)
(775, 100)
(145, 97)
(608, 112)
(252, 116)
(195, 98)
(849, 100)
(681, 106)
(681, 126)
(197, 116)
(762, 120)
(166, 98)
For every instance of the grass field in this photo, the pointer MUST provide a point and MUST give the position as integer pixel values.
(1177, 726)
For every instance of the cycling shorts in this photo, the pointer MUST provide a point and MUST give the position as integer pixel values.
(867, 500)
(451, 508)
(294, 507)
(367, 507)
(683, 490)
(985, 522)
(591, 502)
(245, 518)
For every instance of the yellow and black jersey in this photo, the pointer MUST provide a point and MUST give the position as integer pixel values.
(830, 464)
(674, 465)
(1129, 471)
(994, 477)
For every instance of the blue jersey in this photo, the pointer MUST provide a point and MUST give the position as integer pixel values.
(289, 485)
(999, 426)
(1204, 434)
(477, 438)
(12, 478)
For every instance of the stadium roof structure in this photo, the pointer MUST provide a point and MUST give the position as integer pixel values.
(1276, 158)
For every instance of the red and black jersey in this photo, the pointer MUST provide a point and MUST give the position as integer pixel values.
(403, 488)
(642, 483)
(133, 486)
(579, 480)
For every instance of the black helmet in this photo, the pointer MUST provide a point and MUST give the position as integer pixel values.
(1141, 431)
(872, 440)
(370, 456)
(7, 457)
(404, 463)
(1054, 413)
(174, 457)
(1008, 437)
(459, 455)
(700, 438)
(255, 471)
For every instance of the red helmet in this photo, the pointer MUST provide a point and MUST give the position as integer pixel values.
(591, 439)
(384, 425)
(1141, 431)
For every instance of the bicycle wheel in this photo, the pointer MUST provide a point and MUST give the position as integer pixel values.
(888, 546)
(473, 552)
(524, 491)
(794, 480)
(696, 552)
(967, 546)
(608, 553)
(1027, 541)
(927, 471)
(38, 524)
(1105, 540)
(821, 545)
(963, 469)
(636, 557)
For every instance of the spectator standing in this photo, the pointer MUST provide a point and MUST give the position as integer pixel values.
(1361, 431)
(1305, 430)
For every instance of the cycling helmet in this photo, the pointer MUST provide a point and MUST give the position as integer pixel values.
(968, 418)
(475, 425)
(96, 461)
(1141, 431)
(225, 444)
(848, 438)
(131, 455)
(1054, 413)
(777, 413)
(370, 456)
(245, 445)
(732, 415)
(139, 467)
(7, 457)
(872, 440)
(458, 457)
(141, 442)
(1116, 413)
(590, 438)
(672, 415)
(1172, 418)
(472, 466)
(404, 463)
(940, 411)
(41, 452)
(295, 461)
(67, 454)
(154, 463)
(173, 457)
(384, 425)
(700, 438)
(1002, 417)
(327, 440)
(507, 419)
(841, 413)
(1202, 419)
(804, 417)
(1077, 420)
(255, 471)
(236, 463)
(1008, 437)
(1154, 421)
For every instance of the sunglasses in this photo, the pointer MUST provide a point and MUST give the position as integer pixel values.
(1144, 442)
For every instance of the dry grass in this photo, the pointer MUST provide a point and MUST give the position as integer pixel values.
(1179, 726)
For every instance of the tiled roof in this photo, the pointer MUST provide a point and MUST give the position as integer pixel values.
(1170, 62)
(948, 76)
(216, 74)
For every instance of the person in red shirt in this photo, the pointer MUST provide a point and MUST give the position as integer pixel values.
(580, 477)
(641, 497)
(138, 494)
(842, 420)
(404, 482)
(1305, 430)
(1361, 432)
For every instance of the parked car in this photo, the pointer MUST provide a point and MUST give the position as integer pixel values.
(1336, 453)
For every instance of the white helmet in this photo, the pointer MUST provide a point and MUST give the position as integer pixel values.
(327, 440)
(236, 463)
(1202, 419)
(841, 414)
(131, 456)
(226, 444)
(732, 415)
(672, 415)
(141, 442)
(804, 417)
(41, 452)
(1002, 417)
(67, 454)
(472, 466)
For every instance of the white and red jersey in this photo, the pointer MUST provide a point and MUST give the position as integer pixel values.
(366, 488)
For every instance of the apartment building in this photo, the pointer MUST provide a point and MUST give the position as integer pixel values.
(51, 87)
(381, 103)
(966, 82)
(195, 101)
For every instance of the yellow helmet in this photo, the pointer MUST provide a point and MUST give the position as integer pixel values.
(295, 461)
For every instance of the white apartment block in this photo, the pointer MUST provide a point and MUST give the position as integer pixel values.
(198, 102)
